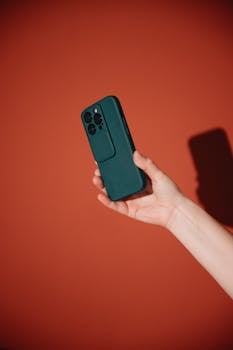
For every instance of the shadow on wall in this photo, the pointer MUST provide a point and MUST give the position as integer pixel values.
(213, 159)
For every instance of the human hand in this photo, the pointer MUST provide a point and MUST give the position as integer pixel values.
(156, 204)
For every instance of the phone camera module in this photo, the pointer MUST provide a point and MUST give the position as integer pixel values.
(98, 118)
(87, 117)
(91, 129)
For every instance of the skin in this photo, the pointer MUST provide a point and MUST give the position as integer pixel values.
(162, 203)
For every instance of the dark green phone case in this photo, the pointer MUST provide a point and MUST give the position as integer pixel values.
(112, 147)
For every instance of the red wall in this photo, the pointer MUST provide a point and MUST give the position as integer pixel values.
(75, 275)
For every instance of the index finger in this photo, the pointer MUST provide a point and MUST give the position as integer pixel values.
(97, 172)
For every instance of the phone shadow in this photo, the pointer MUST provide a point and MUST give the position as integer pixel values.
(212, 156)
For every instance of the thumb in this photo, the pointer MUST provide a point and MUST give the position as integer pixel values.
(147, 165)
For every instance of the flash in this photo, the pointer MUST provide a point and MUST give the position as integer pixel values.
(95, 110)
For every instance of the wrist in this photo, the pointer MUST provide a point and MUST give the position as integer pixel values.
(176, 212)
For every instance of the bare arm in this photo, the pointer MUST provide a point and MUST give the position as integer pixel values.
(206, 240)
(162, 203)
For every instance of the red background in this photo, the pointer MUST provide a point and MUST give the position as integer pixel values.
(74, 274)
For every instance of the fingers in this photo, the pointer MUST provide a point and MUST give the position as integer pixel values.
(147, 165)
(98, 182)
(97, 172)
(118, 206)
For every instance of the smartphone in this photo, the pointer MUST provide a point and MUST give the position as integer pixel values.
(112, 147)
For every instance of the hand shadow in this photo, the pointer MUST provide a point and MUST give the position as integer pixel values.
(213, 160)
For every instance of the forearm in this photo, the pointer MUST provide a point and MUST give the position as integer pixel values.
(206, 240)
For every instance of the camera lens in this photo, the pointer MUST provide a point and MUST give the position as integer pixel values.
(87, 117)
(98, 118)
(91, 129)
